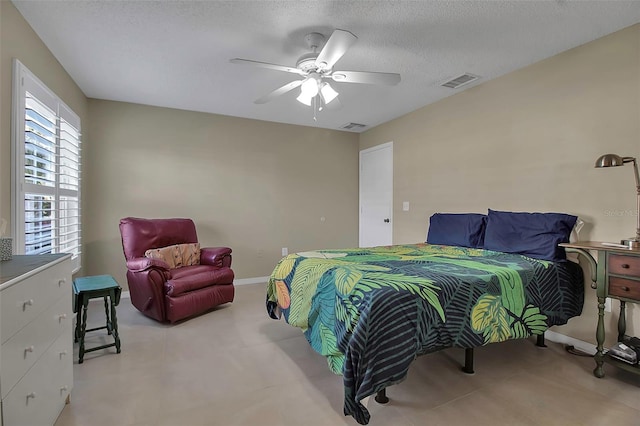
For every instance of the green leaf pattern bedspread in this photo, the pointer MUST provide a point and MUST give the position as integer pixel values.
(372, 311)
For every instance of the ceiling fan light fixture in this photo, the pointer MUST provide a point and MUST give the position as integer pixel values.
(304, 99)
(310, 86)
(328, 93)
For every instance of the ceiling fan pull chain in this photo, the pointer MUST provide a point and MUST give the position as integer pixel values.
(315, 109)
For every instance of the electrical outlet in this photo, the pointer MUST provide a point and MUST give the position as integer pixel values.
(607, 305)
(285, 251)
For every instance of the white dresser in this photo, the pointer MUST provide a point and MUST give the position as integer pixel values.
(36, 356)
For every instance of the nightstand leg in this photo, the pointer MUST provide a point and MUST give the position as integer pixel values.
(599, 356)
(622, 321)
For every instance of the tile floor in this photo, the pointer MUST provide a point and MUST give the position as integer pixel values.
(236, 366)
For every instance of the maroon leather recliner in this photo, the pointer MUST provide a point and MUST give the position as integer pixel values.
(173, 294)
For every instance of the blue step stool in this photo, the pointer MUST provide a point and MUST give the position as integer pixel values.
(87, 288)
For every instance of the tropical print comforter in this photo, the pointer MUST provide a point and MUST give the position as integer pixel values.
(372, 311)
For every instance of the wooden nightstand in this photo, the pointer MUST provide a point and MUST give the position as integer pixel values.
(618, 277)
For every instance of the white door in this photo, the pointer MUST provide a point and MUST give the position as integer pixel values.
(376, 196)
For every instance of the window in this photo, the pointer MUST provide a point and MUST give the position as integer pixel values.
(46, 169)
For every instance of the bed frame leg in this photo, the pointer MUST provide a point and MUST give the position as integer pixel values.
(381, 396)
(540, 341)
(468, 361)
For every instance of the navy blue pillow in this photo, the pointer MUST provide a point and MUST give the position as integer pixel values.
(535, 235)
(457, 229)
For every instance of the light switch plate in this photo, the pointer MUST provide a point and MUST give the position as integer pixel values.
(405, 206)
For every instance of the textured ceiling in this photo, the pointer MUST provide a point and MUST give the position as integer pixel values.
(176, 53)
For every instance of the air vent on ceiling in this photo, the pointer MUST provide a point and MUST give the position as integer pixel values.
(353, 126)
(460, 81)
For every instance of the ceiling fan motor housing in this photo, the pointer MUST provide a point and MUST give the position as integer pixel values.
(314, 41)
(307, 62)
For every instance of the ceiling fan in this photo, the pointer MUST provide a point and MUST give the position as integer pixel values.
(317, 67)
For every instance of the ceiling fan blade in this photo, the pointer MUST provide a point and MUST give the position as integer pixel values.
(389, 79)
(279, 91)
(339, 42)
(267, 65)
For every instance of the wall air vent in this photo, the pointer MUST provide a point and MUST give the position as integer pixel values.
(460, 81)
(353, 126)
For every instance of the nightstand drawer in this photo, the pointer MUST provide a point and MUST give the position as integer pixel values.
(621, 287)
(624, 265)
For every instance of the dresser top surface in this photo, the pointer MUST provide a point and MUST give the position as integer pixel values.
(21, 265)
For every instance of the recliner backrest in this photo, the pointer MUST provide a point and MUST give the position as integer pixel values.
(140, 235)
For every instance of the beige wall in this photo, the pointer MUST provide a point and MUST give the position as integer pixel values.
(18, 40)
(527, 141)
(251, 185)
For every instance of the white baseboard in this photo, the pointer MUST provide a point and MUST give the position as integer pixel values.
(254, 280)
(566, 340)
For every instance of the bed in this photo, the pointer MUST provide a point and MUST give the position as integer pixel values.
(372, 311)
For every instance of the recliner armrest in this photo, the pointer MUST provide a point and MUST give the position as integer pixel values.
(215, 256)
(140, 264)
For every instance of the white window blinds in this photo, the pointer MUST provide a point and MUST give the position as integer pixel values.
(46, 165)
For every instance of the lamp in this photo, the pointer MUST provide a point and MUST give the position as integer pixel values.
(304, 99)
(309, 89)
(328, 94)
(312, 86)
(613, 160)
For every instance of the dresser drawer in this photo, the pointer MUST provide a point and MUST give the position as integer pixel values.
(23, 302)
(61, 356)
(21, 351)
(622, 287)
(40, 396)
(624, 265)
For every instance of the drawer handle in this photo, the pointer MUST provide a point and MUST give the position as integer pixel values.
(27, 303)
(625, 288)
(61, 282)
(61, 317)
(625, 266)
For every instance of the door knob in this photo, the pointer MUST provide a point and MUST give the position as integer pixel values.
(386, 221)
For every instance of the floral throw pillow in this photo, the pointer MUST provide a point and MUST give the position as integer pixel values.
(176, 256)
(190, 254)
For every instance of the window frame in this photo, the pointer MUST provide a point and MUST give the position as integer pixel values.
(25, 81)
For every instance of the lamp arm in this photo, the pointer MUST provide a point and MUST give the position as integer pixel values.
(635, 169)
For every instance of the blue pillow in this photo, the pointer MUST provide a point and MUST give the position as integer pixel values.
(535, 235)
(457, 229)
